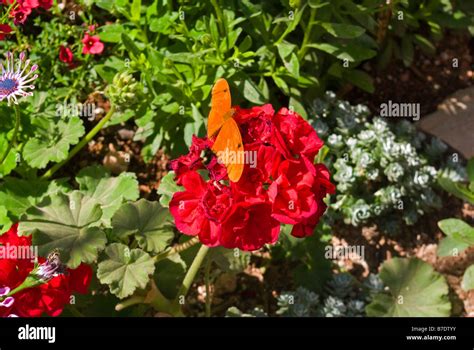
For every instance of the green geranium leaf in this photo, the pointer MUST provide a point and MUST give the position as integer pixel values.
(17, 195)
(167, 188)
(52, 143)
(125, 269)
(148, 221)
(110, 192)
(65, 222)
(470, 170)
(468, 279)
(460, 236)
(10, 161)
(230, 260)
(414, 290)
(5, 222)
(169, 275)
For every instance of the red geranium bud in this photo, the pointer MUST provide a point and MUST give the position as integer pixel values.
(92, 45)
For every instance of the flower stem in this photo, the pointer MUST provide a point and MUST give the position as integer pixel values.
(74, 311)
(15, 132)
(130, 302)
(220, 17)
(81, 144)
(191, 274)
(177, 249)
(208, 287)
(307, 35)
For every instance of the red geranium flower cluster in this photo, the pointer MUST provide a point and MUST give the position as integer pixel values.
(280, 183)
(48, 298)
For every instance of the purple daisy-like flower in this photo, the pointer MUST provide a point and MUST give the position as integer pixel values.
(8, 301)
(16, 81)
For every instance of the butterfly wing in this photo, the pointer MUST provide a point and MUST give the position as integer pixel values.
(229, 148)
(220, 105)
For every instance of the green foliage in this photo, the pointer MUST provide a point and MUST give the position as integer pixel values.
(381, 171)
(66, 222)
(169, 274)
(109, 191)
(52, 141)
(343, 296)
(414, 290)
(149, 222)
(312, 270)
(125, 269)
(468, 279)
(18, 195)
(178, 53)
(403, 21)
(160, 61)
(461, 190)
(167, 188)
(460, 236)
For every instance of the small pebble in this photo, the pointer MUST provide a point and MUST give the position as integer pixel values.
(444, 56)
(126, 134)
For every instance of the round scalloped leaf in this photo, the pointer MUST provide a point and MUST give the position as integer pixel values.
(167, 188)
(10, 161)
(64, 222)
(414, 290)
(53, 141)
(125, 269)
(468, 279)
(109, 191)
(460, 236)
(148, 221)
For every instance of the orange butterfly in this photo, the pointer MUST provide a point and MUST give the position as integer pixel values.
(228, 145)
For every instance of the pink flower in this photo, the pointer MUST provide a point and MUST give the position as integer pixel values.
(30, 4)
(45, 4)
(20, 15)
(65, 54)
(92, 45)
